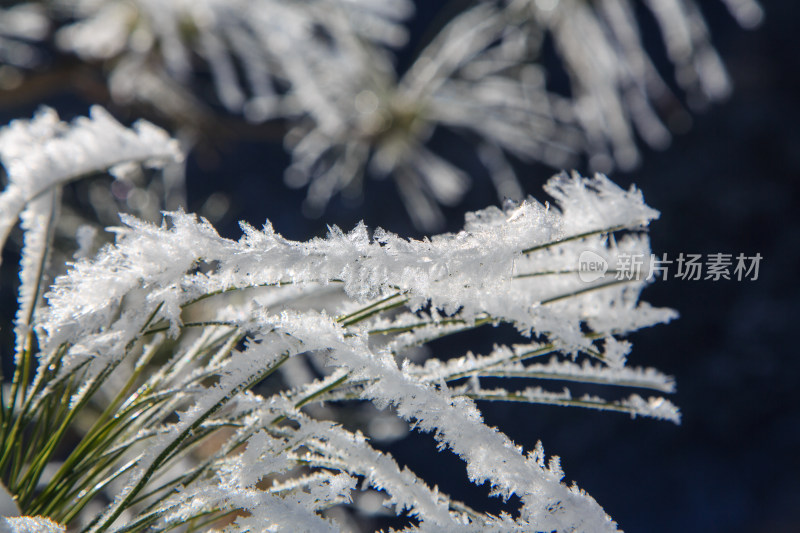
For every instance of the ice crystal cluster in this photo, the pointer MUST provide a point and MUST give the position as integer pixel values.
(326, 68)
(179, 377)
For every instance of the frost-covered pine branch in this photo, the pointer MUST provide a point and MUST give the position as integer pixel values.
(326, 69)
(64, 153)
(168, 353)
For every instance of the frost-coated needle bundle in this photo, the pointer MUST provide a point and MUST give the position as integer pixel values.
(160, 382)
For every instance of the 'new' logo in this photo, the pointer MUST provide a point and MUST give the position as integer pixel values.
(591, 266)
